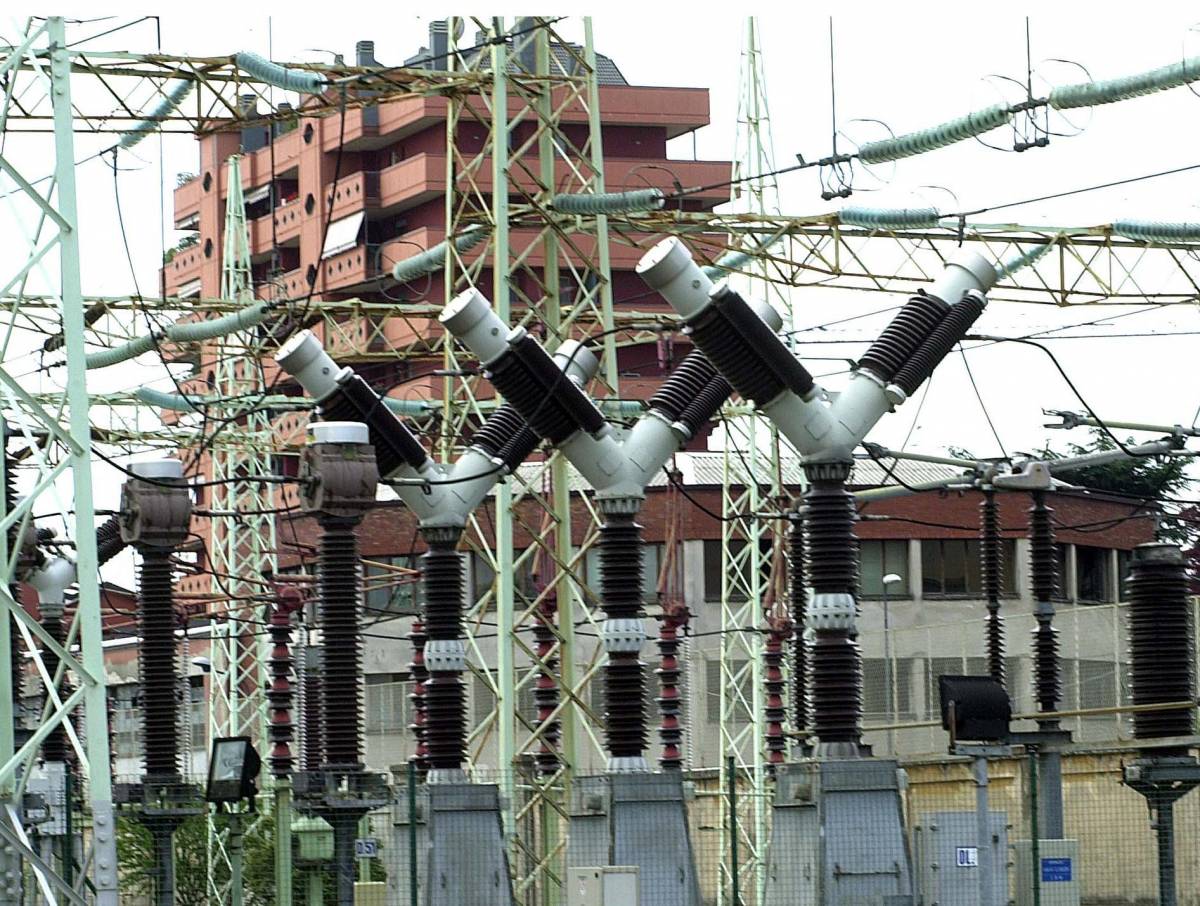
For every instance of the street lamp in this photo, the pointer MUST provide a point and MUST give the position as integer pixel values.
(889, 680)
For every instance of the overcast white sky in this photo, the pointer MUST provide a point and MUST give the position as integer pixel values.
(907, 64)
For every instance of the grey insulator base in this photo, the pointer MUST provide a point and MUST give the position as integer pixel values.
(636, 819)
(838, 835)
(461, 854)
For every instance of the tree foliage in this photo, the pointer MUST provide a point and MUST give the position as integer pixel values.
(1153, 482)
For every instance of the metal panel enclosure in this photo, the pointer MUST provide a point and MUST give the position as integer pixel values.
(944, 845)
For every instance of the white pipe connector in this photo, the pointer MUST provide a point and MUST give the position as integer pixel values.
(470, 318)
(624, 636)
(306, 360)
(668, 268)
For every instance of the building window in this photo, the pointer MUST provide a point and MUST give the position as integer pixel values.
(1093, 580)
(878, 559)
(877, 695)
(1124, 558)
(739, 575)
(387, 704)
(950, 568)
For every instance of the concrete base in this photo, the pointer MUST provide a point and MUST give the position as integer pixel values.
(636, 819)
(838, 835)
(461, 855)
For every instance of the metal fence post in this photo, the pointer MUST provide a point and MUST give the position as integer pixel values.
(1034, 830)
(413, 887)
(736, 893)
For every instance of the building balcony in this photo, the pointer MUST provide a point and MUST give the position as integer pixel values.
(183, 268)
(187, 203)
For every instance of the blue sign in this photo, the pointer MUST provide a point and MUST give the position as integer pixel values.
(366, 848)
(1056, 869)
(966, 856)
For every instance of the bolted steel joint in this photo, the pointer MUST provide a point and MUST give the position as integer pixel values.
(156, 506)
(622, 635)
(338, 474)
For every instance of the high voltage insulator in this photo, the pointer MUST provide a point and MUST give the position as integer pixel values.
(445, 654)
(288, 601)
(155, 515)
(419, 676)
(1162, 641)
(433, 259)
(773, 686)
(889, 218)
(289, 79)
(944, 134)
(609, 202)
(1043, 571)
(183, 332)
(798, 598)
(832, 563)
(312, 735)
(338, 480)
(545, 687)
(937, 345)
(915, 321)
(1109, 91)
(670, 704)
(991, 569)
(620, 546)
(1157, 230)
(166, 105)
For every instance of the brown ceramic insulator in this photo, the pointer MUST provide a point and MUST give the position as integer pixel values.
(670, 703)
(545, 688)
(280, 694)
(773, 685)
(419, 676)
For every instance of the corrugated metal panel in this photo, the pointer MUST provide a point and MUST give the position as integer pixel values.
(708, 470)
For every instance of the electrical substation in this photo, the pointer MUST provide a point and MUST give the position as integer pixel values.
(472, 514)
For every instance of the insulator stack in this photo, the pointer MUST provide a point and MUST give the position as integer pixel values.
(156, 662)
(312, 737)
(620, 547)
(109, 542)
(1044, 579)
(339, 477)
(670, 704)
(445, 700)
(1161, 641)
(798, 594)
(949, 331)
(991, 570)
(279, 695)
(545, 688)
(506, 437)
(773, 685)
(340, 583)
(901, 338)
(419, 676)
(16, 654)
(832, 549)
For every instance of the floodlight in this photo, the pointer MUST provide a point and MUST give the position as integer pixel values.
(232, 770)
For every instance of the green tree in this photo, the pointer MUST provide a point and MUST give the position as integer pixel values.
(135, 856)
